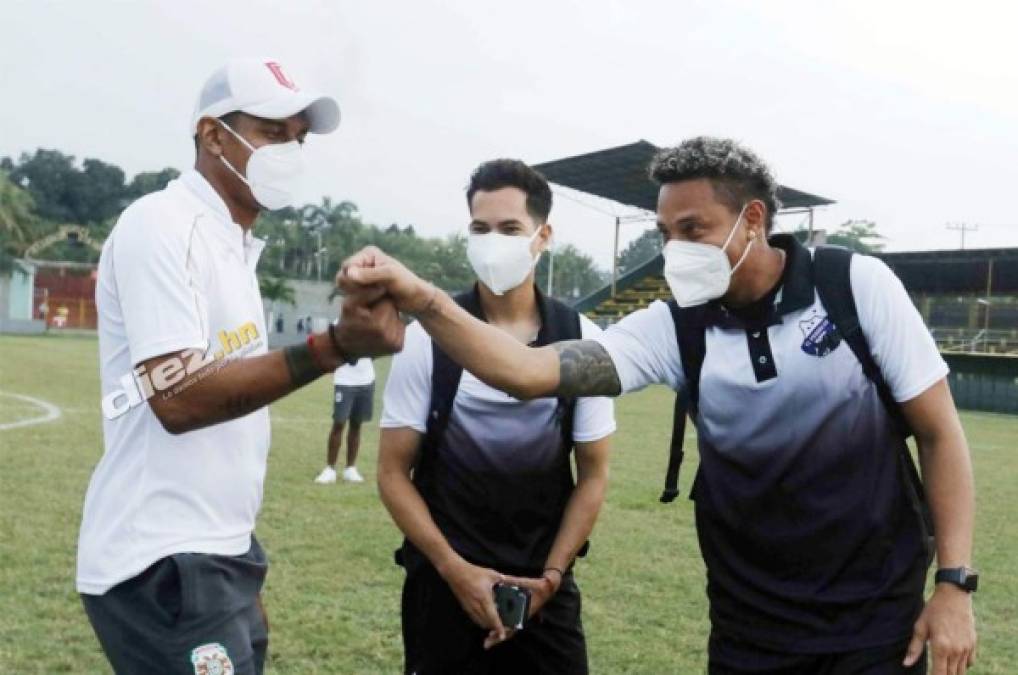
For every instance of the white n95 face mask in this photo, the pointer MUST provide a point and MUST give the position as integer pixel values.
(273, 171)
(501, 261)
(697, 273)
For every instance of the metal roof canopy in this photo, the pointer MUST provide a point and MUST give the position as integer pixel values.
(620, 174)
(988, 271)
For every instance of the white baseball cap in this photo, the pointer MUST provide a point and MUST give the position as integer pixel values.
(261, 87)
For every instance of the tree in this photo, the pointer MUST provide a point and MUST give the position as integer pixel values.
(859, 235)
(52, 180)
(65, 194)
(575, 274)
(17, 216)
(276, 289)
(640, 250)
(150, 181)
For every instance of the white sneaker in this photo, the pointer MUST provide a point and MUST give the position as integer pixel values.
(352, 475)
(328, 475)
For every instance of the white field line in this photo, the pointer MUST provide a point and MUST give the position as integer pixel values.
(50, 412)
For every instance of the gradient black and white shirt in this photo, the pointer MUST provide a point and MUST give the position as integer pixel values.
(810, 541)
(497, 495)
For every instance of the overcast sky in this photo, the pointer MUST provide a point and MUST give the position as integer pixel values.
(906, 113)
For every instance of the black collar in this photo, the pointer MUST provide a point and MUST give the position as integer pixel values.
(795, 287)
(474, 306)
(797, 279)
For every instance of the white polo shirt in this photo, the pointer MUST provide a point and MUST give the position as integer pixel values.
(176, 273)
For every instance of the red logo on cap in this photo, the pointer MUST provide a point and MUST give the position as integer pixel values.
(280, 76)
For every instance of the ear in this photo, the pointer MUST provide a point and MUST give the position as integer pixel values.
(755, 219)
(544, 237)
(210, 136)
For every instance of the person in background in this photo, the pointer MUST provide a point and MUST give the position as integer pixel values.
(353, 404)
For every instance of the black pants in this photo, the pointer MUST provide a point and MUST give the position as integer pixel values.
(439, 637)
(731, 656)
(184, 614)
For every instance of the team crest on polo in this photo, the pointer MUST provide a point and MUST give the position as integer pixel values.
(211, 659)
(821, 336)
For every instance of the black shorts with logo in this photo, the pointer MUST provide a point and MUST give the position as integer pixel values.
(353, 404)
(187, 613)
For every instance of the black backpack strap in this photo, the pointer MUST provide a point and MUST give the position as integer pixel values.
(832, 275)
(560, 322)
(675, 453)
(445, 382)
(832, 266)
(691, 336)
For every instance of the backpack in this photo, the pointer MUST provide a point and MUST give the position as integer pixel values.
(560, 323)
(832, 277)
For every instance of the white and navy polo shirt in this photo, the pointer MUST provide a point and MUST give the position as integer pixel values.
(176, 273)
(810, 540)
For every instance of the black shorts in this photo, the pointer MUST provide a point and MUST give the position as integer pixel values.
(353, 404)
(731, 656)
(187, 613)
(439, 637)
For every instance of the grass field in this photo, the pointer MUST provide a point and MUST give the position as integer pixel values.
(333, 591)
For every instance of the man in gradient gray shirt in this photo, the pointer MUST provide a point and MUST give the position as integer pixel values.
(816, 557)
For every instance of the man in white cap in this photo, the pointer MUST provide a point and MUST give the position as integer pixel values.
(168, 568)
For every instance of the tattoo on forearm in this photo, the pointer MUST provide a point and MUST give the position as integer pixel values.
(301, 364)
(585, 369)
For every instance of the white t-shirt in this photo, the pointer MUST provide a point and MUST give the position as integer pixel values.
(359, 374)
(644, 350)
(175, 274)
(408, 392)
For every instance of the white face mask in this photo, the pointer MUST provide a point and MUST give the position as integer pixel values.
(697, 273)
(272, 171)
(501, 261)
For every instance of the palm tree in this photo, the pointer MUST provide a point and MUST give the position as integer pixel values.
(276, 289)
(17, 215)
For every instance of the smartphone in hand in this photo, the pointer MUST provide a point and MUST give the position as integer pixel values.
(513, 605)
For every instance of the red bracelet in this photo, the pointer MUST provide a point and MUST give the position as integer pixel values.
(314, 355)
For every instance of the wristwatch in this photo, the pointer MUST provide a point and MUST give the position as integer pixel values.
(964, 578)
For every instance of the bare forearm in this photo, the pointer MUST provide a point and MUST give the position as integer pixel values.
(947, 478)
(493, 355)
(413, 518)
(570, 368)
(225, 390)
(577, 522)
(947, 472)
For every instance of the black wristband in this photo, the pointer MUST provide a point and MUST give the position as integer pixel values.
(301, 364)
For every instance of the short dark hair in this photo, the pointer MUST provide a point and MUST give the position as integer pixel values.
(736, 173)
(502, 173)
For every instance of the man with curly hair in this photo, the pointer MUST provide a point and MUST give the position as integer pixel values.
(808, 513)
